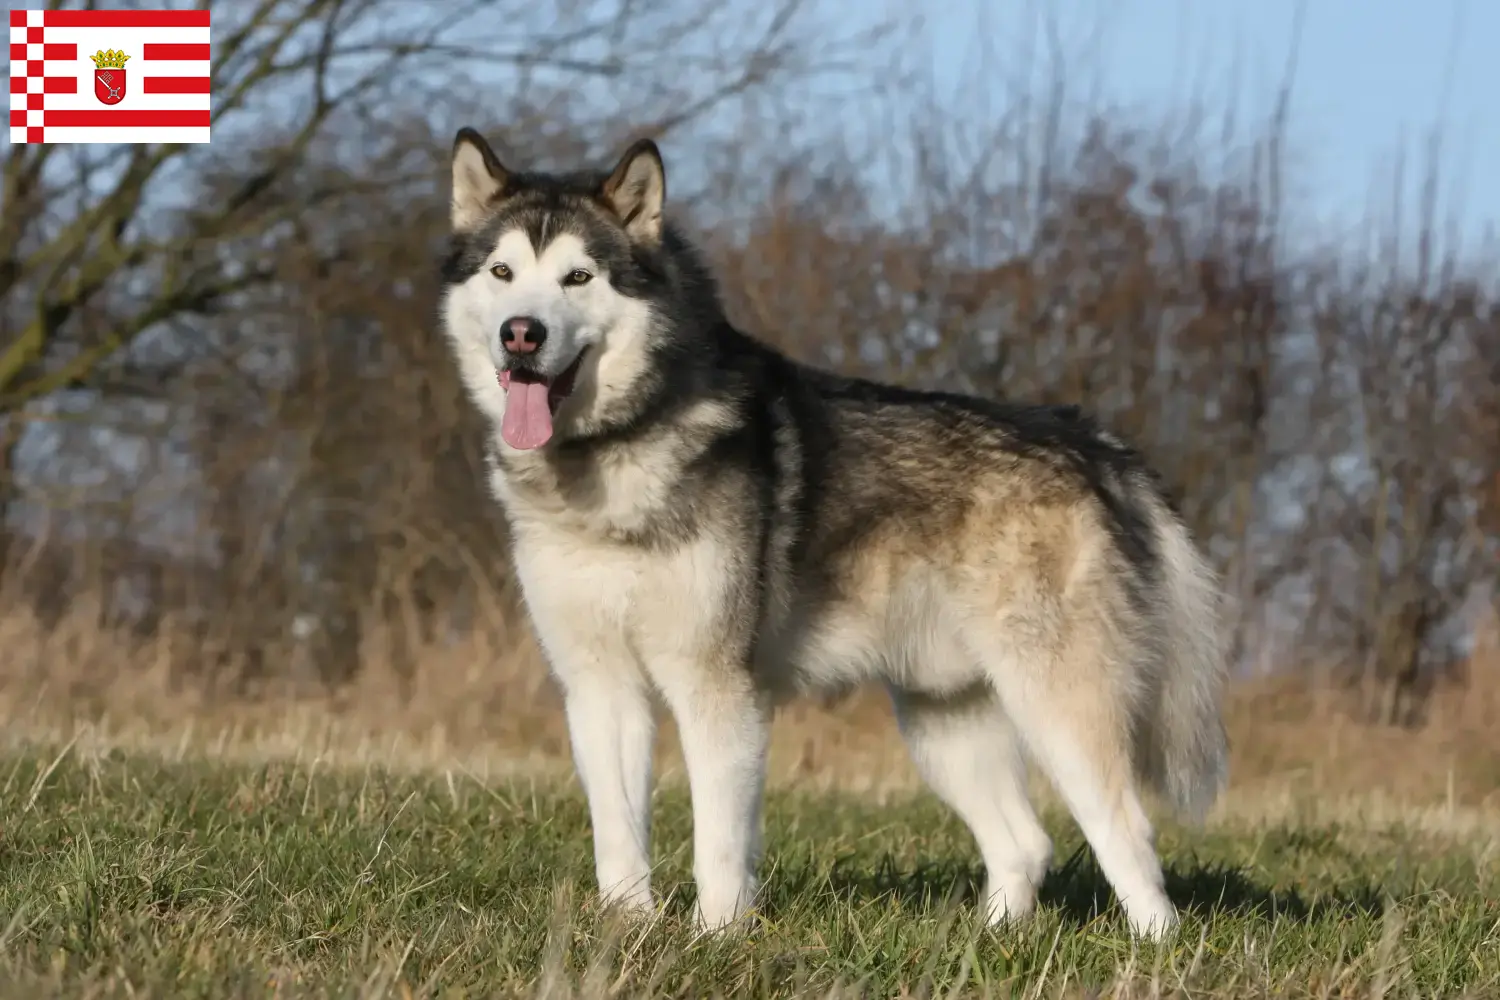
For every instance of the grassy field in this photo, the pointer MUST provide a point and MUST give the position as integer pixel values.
(426, 838)
(150, 874)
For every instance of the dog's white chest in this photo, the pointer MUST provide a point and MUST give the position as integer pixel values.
(653, 608)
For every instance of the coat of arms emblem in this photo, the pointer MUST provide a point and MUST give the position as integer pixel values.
(109, 75)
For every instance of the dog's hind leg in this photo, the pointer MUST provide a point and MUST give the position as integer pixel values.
(1072, 709)
(968, 753)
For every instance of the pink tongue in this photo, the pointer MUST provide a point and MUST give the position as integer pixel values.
(528, 418)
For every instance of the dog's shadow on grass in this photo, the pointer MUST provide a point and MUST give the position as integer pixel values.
(1081, 892)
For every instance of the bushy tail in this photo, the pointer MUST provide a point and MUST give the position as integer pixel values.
(1183, 748)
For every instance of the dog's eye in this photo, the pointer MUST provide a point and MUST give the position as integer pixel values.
(578, 277)
(501, 271)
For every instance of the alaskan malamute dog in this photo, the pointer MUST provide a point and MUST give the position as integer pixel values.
(700, 519)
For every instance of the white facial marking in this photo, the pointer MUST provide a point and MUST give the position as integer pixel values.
(577, 316)
(538, 286)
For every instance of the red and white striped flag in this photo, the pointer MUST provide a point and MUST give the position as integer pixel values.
(109, 76)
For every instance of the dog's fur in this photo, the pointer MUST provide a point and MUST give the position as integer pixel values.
(715, 525)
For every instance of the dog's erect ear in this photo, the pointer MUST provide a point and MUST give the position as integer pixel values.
(636, 190)
(479, 178)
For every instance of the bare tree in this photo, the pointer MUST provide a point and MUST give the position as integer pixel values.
(100, 245)
(275, 307)
(1398, 514)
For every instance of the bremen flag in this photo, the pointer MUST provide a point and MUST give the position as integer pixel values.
(109, 76)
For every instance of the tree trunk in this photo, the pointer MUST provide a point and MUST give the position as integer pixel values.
(10, 443)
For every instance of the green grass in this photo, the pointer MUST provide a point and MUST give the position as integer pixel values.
(126, 875)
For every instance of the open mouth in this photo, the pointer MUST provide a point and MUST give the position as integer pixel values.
(531, 401)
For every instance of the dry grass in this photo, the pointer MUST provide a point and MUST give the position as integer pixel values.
(171, 837)
(486, 704)
(129, 875)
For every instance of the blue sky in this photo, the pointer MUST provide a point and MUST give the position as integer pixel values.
(1372, 77)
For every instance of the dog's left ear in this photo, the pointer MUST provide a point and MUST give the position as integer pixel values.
(636, 190)
(479, 179)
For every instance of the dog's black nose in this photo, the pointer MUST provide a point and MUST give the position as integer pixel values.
(522, 334)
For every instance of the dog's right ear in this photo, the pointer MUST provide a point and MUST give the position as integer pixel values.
(636, 189)
(479, 179)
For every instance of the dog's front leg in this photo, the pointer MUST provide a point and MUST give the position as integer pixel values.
(725, 727)
(612, 729)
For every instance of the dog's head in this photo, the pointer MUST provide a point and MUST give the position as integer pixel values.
(551, 280)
